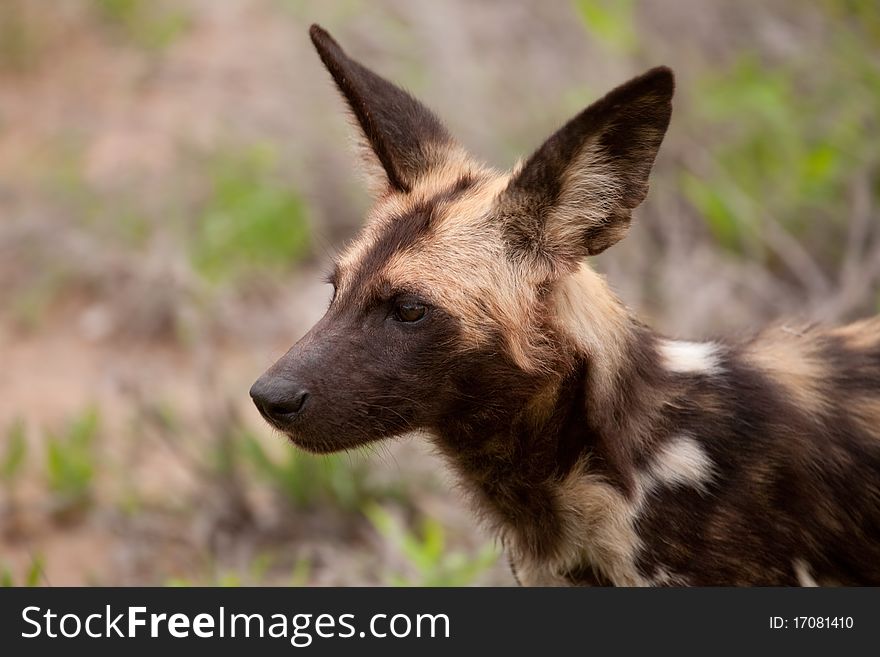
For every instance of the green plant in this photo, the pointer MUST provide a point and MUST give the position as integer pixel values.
(611, 22)
(14, 455)
(223, 580)
(31, 302)
(785, 145)
(20, 43)
(144, 22)
(258, 573)
(12, 462)
(426, 554)
(304, 480)
(32, 575)
(302, 572)
(70, 464)
(250, 220)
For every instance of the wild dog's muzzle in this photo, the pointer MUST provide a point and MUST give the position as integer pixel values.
(278, 399)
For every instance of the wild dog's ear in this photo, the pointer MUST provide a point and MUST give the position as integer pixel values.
(404, 135)
(574, 196)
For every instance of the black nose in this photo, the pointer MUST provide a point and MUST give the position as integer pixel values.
(278, 399)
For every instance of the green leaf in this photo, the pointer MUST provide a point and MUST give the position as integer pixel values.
(70, 459)
(250, 221)
(35, 571)
(15, 453)
(611, 22)
(715, 209)
(302, 571)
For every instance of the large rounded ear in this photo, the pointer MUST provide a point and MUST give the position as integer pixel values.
(403, 136)
(574, 196)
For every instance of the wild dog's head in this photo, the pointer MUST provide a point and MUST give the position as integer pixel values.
(442, 306)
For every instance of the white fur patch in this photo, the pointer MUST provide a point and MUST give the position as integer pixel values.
(690, 357)
(680, 462)
(802, 572)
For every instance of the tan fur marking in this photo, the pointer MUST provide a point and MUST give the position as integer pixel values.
(663, 577)
(866, 411)
(791, 359)
(592, 317)
(599, 524)
(863, 335)
(802, 572)
(451, 164)
(463, 267)
(600, 521)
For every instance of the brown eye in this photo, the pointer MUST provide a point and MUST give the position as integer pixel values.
(409, 312)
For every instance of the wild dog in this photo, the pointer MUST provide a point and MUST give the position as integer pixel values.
(599, 451)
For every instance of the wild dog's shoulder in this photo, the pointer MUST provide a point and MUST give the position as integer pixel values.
(793, 339)
(816, 367)
(824, 381)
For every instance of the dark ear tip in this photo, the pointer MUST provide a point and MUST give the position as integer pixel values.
(317, 33)
(661, 79)
(322, 39)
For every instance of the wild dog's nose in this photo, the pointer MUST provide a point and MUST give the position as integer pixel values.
(278, 399)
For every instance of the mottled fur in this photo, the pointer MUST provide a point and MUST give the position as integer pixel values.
(600, 452)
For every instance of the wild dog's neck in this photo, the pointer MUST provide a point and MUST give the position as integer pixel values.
(624, 387)
(594, 415)
(595, 325)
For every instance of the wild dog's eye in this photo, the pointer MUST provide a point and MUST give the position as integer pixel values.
(409, 311)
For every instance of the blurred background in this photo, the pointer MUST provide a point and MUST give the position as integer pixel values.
(174, 176)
